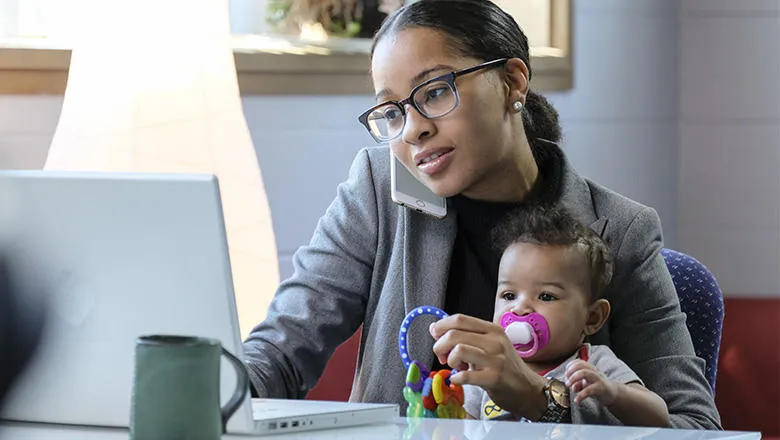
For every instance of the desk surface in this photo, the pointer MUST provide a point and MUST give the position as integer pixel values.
(410, 429)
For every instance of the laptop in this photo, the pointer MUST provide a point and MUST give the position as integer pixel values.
(124, 255)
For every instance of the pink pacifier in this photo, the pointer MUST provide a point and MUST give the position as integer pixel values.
(528, 333)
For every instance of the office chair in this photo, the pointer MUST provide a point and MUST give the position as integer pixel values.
(702, 302)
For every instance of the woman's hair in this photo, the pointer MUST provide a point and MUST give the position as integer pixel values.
(549, 226)
(482, 30)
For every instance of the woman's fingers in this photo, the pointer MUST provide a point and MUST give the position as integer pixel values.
(464, 356)
(489, 343)
(460, 322)
(474, 365)
(485, 378)
(477, 348)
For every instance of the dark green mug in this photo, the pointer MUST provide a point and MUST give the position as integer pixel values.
(176, 389)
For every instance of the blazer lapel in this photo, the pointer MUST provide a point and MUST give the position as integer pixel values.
(599, 226)
(576, 197)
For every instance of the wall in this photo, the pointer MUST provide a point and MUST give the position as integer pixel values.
(305, 145)
(27, 125)
(729, 200)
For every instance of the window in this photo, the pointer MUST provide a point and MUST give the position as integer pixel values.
(34, 37)
(547, 24)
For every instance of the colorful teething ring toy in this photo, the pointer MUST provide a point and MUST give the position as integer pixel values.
(429, 393)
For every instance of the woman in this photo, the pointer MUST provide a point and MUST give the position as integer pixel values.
(471, 131)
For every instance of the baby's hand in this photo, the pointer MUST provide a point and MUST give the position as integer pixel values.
(584, 379)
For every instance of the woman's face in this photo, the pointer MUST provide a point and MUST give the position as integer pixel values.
(465, 150)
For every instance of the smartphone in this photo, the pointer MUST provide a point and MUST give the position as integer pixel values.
(409, 192)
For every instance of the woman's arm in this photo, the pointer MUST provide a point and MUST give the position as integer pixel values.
(648, 331)
(324, 301)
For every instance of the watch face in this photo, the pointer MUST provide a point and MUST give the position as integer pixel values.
(559, 393)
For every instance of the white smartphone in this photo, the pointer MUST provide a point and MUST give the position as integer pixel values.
(407, 191)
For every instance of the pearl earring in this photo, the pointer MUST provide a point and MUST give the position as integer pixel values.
(517, 106)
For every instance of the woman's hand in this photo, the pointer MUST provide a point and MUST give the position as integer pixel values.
(485, 357)
(583, 378)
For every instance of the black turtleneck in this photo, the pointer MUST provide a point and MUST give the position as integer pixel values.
(473, 277)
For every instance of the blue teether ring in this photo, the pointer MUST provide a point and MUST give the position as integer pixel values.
(403, 345)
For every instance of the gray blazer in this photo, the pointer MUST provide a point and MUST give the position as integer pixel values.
(371, 261)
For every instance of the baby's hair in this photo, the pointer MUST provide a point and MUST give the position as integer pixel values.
(548, 226)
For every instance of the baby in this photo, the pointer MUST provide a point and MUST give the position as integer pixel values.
(552, 276)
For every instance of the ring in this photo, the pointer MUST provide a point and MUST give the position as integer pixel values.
(403, 345)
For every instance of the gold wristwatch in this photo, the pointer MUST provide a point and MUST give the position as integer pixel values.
(558, 404)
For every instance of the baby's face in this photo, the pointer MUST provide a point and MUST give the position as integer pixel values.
(552, 281)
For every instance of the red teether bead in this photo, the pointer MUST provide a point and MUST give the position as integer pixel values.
(429, 402)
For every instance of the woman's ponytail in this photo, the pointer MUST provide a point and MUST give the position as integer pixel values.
(540, 119)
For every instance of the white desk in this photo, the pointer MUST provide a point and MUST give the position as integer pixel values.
(410, 429)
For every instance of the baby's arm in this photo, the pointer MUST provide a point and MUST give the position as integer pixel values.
(631, 403)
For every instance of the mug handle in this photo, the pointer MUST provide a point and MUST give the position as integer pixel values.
(242, 387)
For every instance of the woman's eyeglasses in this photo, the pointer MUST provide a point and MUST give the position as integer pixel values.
(434, 98)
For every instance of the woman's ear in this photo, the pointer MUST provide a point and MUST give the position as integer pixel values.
(517, 80)
(598, 312)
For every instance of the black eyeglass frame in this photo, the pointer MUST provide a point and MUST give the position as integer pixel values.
(448, 78)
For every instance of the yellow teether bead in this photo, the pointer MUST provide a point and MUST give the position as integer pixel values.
(438, 389)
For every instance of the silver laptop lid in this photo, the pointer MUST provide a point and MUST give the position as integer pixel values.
(122, 255)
